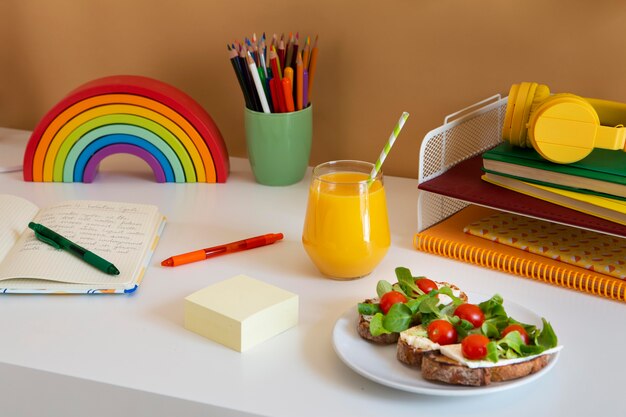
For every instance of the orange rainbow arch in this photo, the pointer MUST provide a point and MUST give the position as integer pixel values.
(131, 114)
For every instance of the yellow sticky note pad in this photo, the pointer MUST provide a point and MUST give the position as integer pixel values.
(240, 312)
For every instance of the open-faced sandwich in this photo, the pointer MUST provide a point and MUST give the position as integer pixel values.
(381, 323)
(455, 342)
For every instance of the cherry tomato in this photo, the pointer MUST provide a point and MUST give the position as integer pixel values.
(522, 332)
(426, 285)
(471, 313)
(474, 346)
(442, 332)
(390, 298)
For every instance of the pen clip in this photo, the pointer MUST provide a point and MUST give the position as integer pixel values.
(47, 240)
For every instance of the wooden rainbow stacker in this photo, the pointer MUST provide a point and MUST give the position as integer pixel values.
(130, 114)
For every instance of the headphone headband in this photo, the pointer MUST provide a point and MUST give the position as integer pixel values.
(563, 128)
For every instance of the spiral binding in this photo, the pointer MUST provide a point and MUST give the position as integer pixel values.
(608, 287)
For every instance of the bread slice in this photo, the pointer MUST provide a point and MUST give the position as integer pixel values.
(412, 345)
(363, 328)
(409, 355)
(437, 367)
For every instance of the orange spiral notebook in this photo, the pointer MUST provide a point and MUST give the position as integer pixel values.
(448, 239)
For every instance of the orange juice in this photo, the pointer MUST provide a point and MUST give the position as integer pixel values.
(346, 230)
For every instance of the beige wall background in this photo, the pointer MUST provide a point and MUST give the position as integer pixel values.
(377, 58)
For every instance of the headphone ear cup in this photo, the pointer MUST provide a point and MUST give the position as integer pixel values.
(510, 109)
(541, 94)
(523, 98)
(563, 128)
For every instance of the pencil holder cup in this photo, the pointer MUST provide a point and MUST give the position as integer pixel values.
(279, 145)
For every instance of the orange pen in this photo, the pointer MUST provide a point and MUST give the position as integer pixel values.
(202, 254)
(288, 93)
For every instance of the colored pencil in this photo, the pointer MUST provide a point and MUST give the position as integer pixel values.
(312, 67)
(266, 88)
(305, 88)
(289, 51)
(257, 82)
(254, 97)
(306, 52)
(296, 46)
(275, 64)
(274, 94)
(299, 80)
(281, 53)
(232, 53)
(262, 52)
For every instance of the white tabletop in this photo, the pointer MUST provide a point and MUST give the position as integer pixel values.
(130, 355)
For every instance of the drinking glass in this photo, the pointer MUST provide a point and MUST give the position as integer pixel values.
(346, 229)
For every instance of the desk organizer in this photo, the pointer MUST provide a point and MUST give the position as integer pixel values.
(450, 170)
(464, 134)
(450, 180)
(126, 114)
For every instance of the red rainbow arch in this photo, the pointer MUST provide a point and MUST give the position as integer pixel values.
(177, 130)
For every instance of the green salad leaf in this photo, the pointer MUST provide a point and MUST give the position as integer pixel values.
(547, 338)
(383, 287)
(493, 307)
(490, 330)
(368, 309)
(398, 318)
(407, 282)
(492, 351)
(512, 345)
(376, 325)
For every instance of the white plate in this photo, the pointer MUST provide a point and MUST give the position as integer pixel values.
(379, 363)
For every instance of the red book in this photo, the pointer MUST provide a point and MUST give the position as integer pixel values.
(463, 182)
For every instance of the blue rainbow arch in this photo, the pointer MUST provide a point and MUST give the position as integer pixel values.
(104, 142)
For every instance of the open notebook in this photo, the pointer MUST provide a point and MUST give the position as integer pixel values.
(124, 234)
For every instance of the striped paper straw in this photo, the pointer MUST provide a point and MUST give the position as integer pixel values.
(387, 148)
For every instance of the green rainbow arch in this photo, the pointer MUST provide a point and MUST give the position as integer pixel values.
(66, 172)
(83, 133)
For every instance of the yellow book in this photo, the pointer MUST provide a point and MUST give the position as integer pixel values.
(448, 239)
(590, 250)
(606, 208)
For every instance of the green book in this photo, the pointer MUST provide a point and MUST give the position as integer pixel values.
(603, 172)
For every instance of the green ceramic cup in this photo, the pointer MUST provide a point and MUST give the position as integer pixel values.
(279, 145)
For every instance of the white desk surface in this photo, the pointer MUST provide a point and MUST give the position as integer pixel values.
(130, 355)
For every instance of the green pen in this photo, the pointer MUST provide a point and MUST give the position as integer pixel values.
(57, 241)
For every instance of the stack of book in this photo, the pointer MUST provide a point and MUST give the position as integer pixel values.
(596, 185)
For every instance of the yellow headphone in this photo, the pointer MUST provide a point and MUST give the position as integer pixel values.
(563, 128)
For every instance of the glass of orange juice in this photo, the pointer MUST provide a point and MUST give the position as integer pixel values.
(346, 229)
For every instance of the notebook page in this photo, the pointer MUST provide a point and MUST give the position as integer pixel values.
(15, 213)
(119, 232)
